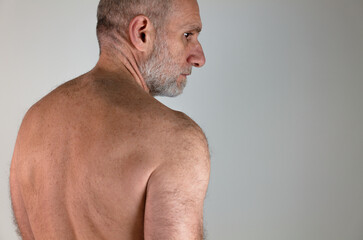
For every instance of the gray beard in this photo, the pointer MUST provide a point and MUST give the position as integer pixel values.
(161, 73)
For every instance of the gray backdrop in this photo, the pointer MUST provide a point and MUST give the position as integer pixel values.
(280, 100)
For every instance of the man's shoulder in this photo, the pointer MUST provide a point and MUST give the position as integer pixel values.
(189, 128)
(183, 140)
(180, 125)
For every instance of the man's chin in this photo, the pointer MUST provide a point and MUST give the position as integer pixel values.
(174, 93)
(172, 87)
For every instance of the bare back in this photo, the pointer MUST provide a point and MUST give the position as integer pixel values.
(83, 159)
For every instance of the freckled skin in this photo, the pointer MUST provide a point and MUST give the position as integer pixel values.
(100, 158)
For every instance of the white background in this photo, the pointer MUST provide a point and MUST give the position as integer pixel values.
(280, 100)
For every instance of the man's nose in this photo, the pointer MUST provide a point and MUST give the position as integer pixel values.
(197, 58)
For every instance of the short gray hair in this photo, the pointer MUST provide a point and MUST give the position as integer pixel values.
(115, 15)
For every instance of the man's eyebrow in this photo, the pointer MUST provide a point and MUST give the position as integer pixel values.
(195, 28)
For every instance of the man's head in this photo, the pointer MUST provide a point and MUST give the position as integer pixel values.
(114, 16)
(163, 32)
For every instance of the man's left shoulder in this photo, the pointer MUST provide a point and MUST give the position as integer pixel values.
(184, 145)
(188, 140)
(188, 127)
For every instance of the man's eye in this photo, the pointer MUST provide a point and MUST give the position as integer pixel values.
(187, 35)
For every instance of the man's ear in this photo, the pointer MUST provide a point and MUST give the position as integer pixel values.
(142, 33)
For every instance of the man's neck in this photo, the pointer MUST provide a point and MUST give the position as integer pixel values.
(122, 62)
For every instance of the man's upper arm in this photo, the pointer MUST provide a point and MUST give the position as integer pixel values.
(176, 190)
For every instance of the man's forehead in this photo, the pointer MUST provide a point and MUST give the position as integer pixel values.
(186, 15)
(187, 4)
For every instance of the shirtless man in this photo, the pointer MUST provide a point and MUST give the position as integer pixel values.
(99, 157)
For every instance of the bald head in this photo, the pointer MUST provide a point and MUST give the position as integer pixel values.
(114, 16)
